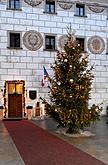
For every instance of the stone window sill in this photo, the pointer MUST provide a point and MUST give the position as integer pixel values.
(50, 50)
(14, 9)
(46, 12)
(14, 48)
(80, 15)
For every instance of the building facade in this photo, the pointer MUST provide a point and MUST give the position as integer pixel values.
(31, 32)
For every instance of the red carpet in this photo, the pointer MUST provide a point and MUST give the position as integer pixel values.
(38, 147)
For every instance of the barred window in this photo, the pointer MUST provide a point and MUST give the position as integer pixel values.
(50, 6)
(50, 42)
(80, 9)
(14, 40)
(14, 4)
(80, 43)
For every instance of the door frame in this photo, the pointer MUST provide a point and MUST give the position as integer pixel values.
(6, 92)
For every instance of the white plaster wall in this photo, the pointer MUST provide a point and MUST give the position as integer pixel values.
(28, 65)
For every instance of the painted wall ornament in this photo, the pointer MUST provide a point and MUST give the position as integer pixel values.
(62, 41)
(96, 8)
(32, 40)
(33, 3)
(65, 5)
(96, 45)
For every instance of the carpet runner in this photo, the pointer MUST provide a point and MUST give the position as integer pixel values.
(38, 147)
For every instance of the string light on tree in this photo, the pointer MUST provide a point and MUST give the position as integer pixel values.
(70, 96)
(73, 79)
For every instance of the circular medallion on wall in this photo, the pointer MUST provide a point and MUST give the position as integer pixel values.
(96, 45)
(62, 41)
(32, 40)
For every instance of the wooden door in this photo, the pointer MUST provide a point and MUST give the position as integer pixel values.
(15, 105)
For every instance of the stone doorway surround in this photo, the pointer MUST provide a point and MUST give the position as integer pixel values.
(14, 99)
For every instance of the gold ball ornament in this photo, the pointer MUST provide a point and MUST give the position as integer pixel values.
(86, 59)
(65, 60)
(59, 83)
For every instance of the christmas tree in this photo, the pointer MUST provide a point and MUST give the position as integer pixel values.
(70, 88)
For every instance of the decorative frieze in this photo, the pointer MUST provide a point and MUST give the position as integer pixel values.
(96, 45)
(96, 8)
(32, 40)
(65, 5)
(33, 3)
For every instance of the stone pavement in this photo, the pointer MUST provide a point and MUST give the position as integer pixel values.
(8, 152)
(96, 146)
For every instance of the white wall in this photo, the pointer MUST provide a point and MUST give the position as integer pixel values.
(28, 65)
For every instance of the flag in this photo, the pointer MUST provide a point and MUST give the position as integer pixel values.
(45, 75)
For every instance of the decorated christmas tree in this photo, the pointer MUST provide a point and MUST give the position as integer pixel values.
(70, 88)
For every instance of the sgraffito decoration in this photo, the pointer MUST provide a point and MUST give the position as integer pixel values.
(65, 5)
(62, 41)
(96, 8)
(32, 40)
(96, 45)
(33, 3)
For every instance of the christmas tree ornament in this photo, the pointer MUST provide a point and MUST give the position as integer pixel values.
(59, 83)
(71, 80)
(86, 59)
(65, 60)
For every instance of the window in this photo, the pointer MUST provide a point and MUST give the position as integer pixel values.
(80, 43)
(50, 42)
(80, 10)
(15, 88)
(14, 40)
(14, 4)
(50, 6)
